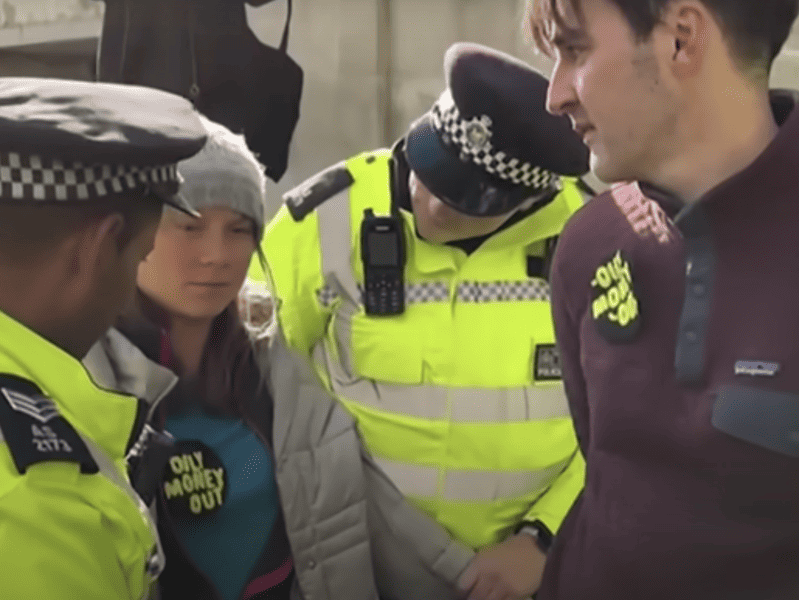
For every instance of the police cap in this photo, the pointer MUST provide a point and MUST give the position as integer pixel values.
(66, 141)
(488, 143)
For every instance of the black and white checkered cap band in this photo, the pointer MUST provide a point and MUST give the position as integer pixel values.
(25, 177)
(472, 138)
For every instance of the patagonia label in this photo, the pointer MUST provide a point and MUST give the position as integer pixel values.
(756, 367)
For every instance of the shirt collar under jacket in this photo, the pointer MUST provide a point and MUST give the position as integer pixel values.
(105, 417)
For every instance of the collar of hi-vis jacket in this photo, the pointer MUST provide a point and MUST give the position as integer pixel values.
(541, 225)
(116, 363)
(110, 419)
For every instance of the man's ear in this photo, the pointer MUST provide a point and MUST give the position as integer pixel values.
(689, 26)
(100, 243)
(87, 253)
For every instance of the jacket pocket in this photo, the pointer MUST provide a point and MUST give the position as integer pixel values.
(766, 418)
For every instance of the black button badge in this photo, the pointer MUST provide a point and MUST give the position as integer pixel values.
(194, 480)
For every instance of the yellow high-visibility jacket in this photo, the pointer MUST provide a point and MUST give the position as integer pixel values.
(458, 398)
(71, 526)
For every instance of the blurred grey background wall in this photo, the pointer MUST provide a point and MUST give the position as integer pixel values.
(371, 66)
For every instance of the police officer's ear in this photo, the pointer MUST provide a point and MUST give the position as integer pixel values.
(83, 263)
(101, 240)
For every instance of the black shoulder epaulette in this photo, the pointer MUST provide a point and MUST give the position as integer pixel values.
(304, 198)
(34, 429)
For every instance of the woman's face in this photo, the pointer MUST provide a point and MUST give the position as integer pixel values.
(198, 265)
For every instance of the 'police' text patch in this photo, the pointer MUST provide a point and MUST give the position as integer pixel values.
(547, 363)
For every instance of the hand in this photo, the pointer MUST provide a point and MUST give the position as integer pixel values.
(510, 570)
(255, 309)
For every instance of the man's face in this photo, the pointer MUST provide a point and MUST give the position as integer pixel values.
(615, 90)
(439, 223)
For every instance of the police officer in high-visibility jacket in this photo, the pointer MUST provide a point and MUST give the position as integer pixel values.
(416, 280)
(85, 169)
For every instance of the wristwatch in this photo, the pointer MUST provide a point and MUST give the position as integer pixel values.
(539, 532)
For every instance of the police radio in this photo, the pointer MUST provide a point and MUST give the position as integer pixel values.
(383, 256)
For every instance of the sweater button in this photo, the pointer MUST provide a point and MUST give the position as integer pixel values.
(691, 336)
(311, 564)
(698, 289)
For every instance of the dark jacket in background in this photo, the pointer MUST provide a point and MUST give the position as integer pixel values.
(205, 51)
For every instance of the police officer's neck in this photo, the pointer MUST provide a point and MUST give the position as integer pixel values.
(34, 299)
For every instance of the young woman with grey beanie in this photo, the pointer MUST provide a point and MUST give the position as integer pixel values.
(252, 423)
(219, 516)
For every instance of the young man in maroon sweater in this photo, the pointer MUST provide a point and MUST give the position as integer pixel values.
(676, 301)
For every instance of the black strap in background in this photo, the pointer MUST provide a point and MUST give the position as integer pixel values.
(550, 244)
(587, 189)
(142, 411)
(284, 41)
(146, 469)
(398, 172)
(540, 266)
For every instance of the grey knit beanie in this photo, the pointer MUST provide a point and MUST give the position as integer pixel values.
(225, 173)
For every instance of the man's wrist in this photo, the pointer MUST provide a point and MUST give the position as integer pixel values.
(539, 532)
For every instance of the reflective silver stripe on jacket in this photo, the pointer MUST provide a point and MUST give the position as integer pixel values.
(467, 291)
(334, 243)
(326, 296)
(468, 485)
(459, 405)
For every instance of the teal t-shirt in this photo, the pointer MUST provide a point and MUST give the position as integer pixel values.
(220, 490)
